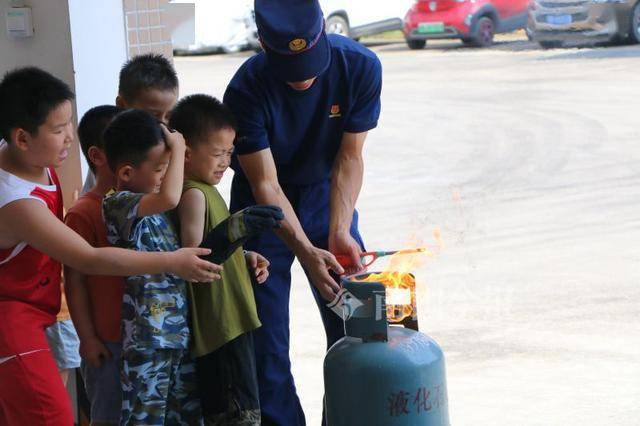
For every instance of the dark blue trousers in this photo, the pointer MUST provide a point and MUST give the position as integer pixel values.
(279, 401)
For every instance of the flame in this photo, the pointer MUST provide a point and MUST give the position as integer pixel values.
(398, 285)
(399, 280)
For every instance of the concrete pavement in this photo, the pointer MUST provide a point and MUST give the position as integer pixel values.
(528, 162)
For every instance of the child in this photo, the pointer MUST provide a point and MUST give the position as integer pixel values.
(224, 312)
(159, 383)
(95, 301)
(147, 82)
(37, 130)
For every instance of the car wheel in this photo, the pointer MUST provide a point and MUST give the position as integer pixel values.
(529, 32)
(550, 44)
(485, 30)
(337, 24)
(634, 34)
(416, 44)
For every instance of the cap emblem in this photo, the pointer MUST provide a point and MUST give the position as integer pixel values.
(297, 44)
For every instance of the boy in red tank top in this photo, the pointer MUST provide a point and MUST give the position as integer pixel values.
(37, 130)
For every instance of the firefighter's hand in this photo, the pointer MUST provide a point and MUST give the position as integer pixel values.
(318, 263)
(343, 243)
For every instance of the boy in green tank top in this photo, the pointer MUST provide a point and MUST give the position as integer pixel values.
(223, 313)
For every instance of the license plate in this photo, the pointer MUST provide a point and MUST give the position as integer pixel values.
(431, 27)
(559, 19)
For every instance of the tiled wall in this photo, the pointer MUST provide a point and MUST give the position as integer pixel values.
(146, 32)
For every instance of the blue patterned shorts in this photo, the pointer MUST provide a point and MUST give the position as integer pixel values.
(159, 387)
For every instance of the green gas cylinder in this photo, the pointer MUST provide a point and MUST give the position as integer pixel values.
(382, 374)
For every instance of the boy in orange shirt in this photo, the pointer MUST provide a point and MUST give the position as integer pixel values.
(95, 301)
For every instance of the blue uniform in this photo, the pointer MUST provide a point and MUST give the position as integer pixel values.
(304, 130)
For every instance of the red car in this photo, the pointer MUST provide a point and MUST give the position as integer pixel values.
(475, 22)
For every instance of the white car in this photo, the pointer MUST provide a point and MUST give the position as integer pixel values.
(360, 18)
(201, 26)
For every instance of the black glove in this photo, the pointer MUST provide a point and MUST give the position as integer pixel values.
(232, 232)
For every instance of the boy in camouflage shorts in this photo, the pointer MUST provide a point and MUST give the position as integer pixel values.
(159, 383)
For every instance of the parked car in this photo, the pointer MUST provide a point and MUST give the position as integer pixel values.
(204, 26)
(554, 22)
(360, 18)
(475, 22)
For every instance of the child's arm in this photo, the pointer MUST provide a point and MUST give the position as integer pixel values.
(30, 221)
(171, 189)
(191, 211)
(92, 349)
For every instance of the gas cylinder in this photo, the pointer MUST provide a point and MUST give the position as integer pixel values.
(382, 374)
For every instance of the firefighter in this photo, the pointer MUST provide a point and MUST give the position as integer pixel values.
(304, 107)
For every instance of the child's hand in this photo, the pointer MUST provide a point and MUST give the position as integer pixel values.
(94, 351)
(186, 264)
(258, 265)
(173, 138)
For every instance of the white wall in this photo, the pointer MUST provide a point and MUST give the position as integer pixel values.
(79, 41)
(99, 50)
(49, 49)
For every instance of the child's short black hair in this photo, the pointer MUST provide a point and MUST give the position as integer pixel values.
(130, 136)
(91, 128)
(143, 72)
(27, 96)
(196, 116)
